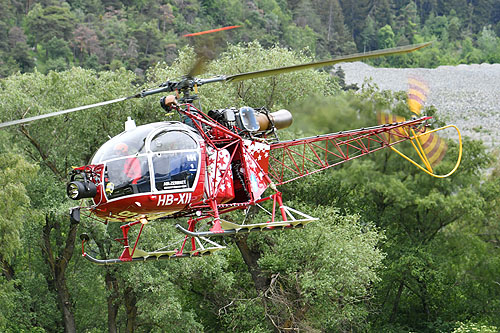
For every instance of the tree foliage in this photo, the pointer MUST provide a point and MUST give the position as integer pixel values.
(434, 263)
(135, 35)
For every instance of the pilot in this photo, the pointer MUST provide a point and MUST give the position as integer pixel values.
(132, 166)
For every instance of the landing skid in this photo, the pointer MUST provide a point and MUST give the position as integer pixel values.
(296, 220)
(200, 243)
(149, 258)
(140, 255)
(200, 246)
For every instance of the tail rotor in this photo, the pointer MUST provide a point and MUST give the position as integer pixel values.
(429, 146)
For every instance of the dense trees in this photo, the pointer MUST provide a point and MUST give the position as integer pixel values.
(159, 296)
(427, 223)
(137, 34)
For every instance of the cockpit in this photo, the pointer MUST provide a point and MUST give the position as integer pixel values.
(157, 157)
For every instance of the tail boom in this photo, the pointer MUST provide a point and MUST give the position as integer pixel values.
(294, 159)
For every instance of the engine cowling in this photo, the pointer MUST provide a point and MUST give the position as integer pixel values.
(281, 119)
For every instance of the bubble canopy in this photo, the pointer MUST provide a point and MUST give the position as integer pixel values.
(157, 157)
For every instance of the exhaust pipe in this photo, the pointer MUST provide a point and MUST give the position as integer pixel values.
(281, 119)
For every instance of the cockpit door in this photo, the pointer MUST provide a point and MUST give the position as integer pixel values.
(175, 161)
(127, 176)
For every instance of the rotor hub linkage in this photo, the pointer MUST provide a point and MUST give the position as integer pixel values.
(183, 86)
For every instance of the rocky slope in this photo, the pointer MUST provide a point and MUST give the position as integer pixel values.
(465, 95)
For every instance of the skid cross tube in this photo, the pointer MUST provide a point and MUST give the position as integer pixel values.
(291, 219)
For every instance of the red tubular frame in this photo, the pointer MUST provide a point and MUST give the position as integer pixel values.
(292, 160)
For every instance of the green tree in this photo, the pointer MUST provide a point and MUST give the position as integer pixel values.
(382, 13)
(334, 30)
(57, 54)
(369, 35)
(355, 13)
(15, 173)
(18, 298)
(454, 32)
(49, 22)
(489, 44)
(385, 37)
(23, 57)
(6, 17)
(148, 37)
(56, 146)
(430, 280)
(409, 22)
(300, 38)
(85, 43)
(312, 287)
(436, 26)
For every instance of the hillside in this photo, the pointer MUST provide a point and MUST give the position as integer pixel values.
(109, 34)
(464, 95)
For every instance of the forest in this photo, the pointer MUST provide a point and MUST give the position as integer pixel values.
(136, 34)
(394, 250)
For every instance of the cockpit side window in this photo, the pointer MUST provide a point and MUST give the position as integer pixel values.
(126, 176)
(125, 144)
(175, 170)
(150, 159)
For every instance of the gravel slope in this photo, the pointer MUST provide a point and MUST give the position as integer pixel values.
(465, 95)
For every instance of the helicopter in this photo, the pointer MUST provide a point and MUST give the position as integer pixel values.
(210, 164)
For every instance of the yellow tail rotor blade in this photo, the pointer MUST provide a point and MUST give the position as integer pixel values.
(418, 90)
(438, 150)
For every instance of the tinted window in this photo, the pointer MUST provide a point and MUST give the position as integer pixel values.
(175, 170)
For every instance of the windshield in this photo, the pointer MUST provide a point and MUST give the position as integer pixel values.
(150, 159)
(127, 176)
(172, 140)
(128, 143)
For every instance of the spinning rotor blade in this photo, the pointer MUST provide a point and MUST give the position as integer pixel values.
(205, 48)
(189, 81)
(205, 53)
(418, 90)
(57, 113)
(430, 147)
(198, 67)
(348, 58)
(212, 30)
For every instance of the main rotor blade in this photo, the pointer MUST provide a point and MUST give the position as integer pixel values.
(199, 66)
(57, 113)
(212, 31)
(348, 58)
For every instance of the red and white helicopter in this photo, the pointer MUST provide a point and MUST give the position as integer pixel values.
(211, 164)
